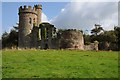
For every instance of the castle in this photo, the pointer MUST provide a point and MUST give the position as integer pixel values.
(29, 17)
(35, 34)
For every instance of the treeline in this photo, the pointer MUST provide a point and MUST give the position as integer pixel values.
(10, 40)
(108, 40)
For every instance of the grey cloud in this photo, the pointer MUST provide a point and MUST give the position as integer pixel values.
(85, 15)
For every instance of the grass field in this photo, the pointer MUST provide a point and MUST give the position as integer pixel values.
(59, 64)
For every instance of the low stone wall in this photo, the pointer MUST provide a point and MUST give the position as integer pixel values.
(92, 46)
(89, 47)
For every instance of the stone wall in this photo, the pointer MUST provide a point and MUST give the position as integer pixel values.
(47, 30)
(92, 46)
(72, 39)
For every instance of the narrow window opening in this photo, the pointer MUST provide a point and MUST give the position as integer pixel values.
(30, 21)
(34, 20)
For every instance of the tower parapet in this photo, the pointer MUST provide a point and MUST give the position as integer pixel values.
(28, 9)
(39, 13)
(38, 6)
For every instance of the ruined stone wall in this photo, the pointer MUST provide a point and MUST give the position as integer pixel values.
(46, 35)
(34, 37)
(72, 39)
(92, 46)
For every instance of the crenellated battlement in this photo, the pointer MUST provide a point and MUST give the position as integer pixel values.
(38, 6)
(29, 9)
(73, 30)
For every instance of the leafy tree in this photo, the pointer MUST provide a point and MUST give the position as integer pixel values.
(106, 38)
(96, 30)
(117, 33)
(5, 38)
(86, 39)
(109, 39)
(10, 40)
(13, 38)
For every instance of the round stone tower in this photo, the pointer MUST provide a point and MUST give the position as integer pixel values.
(72, 39)
(39, 13)
(28, 17)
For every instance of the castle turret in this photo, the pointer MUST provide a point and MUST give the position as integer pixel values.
(39, 13)
(28, 17)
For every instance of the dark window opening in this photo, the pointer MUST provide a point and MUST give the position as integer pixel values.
(46, 46)
(34, 20)
(30, 21)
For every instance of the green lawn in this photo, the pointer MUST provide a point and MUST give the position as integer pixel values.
(59, 64)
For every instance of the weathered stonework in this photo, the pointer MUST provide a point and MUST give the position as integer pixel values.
(72, 39)
(47, 31)
(92, 46)
(28, 17)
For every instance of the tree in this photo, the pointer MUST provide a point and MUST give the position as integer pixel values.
(108, 36)
(107, 39)
(96, 30)
(13, 38)
(10, 40)
(117, 33)
(5, 37)
(86, 39)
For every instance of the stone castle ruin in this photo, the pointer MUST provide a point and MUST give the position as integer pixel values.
(35, 34)
(29, 20)
(72, 39)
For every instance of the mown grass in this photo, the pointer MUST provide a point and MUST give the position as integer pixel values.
(59, 64)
